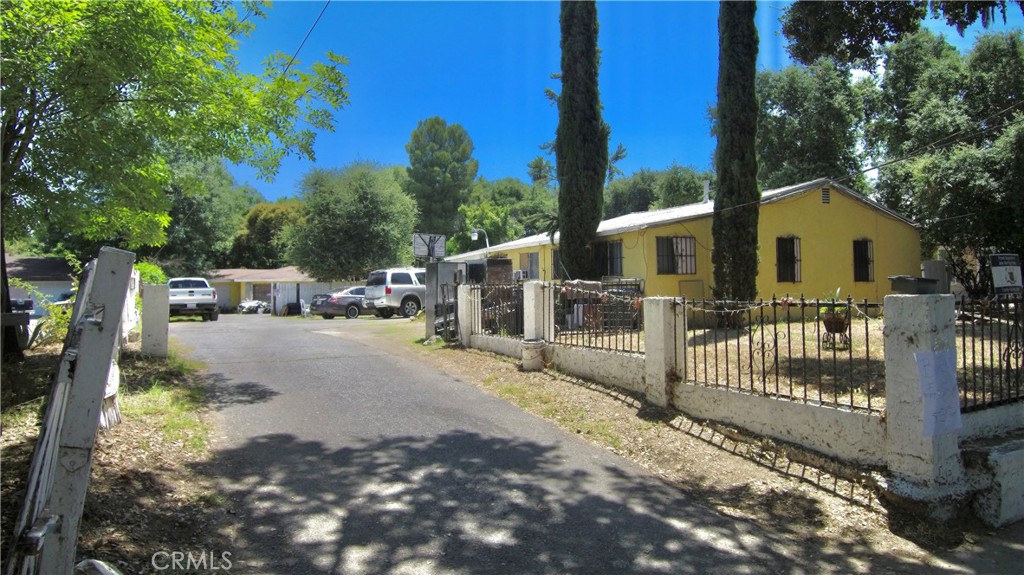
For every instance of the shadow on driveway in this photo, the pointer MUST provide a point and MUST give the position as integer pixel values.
(465, 503)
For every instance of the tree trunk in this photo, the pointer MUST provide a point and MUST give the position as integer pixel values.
(11, 345)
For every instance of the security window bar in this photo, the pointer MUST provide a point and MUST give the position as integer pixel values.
(787, 254)
(863, 261)
(614, 267)
(677, 255)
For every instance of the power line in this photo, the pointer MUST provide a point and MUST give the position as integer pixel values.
(303, 43)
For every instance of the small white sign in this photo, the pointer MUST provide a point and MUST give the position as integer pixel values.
(937, 372)
(1006, 273)
(428, 245)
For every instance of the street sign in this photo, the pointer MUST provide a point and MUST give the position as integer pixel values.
(1006, 274)
(428, 245)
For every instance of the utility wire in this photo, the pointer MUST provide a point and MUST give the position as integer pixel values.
(303, 43)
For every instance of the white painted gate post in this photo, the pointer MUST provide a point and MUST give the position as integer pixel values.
(155, 318)
(97, 329)
(664, 333)
(922, 403)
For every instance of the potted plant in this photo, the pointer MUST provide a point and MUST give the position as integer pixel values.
(834, 313)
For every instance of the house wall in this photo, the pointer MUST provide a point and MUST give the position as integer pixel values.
(640, 259)
(229, 294)
(826, 233)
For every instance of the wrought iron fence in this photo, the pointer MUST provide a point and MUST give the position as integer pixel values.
(822, 352)
(501, 310)
(596, 318)
(989, 352)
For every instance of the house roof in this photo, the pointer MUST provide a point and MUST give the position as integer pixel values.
(288, 274)
(39, 269)
(643, 220)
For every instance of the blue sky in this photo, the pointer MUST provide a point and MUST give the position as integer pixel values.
(485, 65)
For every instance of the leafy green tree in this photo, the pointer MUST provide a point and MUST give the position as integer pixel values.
(581, 141)
(261, 243)
(734, 222)
(679, 186)
(808, 125)
(207, 208)
(355, 220)
(90, 90)
(441, 170)
(495, 220)
(633, 194)
(541, 171)
(951, 136)
(905, 64)
(850, 31)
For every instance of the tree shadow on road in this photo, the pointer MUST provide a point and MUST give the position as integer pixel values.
(466, 503)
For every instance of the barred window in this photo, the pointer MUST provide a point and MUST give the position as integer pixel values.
(863, 261)
(787, 259)
(677, 255)
(614, 267)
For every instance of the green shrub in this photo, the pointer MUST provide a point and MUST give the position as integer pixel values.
(151, 273)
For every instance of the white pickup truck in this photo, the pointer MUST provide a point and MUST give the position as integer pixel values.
(193, 296)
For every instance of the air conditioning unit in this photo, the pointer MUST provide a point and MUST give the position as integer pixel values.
(520, 275)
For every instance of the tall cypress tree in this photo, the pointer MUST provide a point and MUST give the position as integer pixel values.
(581, 141)
(734, 225)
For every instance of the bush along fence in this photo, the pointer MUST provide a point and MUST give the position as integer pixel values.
(889, 394)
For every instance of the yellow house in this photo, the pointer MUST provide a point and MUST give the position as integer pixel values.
(814, 238)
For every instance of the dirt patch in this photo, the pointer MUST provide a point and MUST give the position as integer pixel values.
(143, 494)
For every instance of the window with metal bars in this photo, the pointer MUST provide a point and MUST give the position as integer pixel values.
(863, 261)
(614, 267)
(787, 259)
(677, 255)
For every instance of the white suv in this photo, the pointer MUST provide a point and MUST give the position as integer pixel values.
(396, 289)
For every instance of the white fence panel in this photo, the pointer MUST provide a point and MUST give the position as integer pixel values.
(46, 533)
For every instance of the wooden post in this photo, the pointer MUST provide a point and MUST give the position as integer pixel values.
(97, 330)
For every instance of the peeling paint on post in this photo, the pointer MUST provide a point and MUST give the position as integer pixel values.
(926, 466)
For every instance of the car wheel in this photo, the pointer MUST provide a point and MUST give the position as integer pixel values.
(215, 315)
(385, 313)
(205, 316)
(410, 307)
(352, 312)
(327, 316)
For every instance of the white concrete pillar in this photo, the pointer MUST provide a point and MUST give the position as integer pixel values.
(538, 311)
(922, 403)
(156, 310)
(664, 335)
(469, 313)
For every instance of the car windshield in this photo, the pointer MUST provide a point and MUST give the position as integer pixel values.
(377, 278)
(180, 284)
